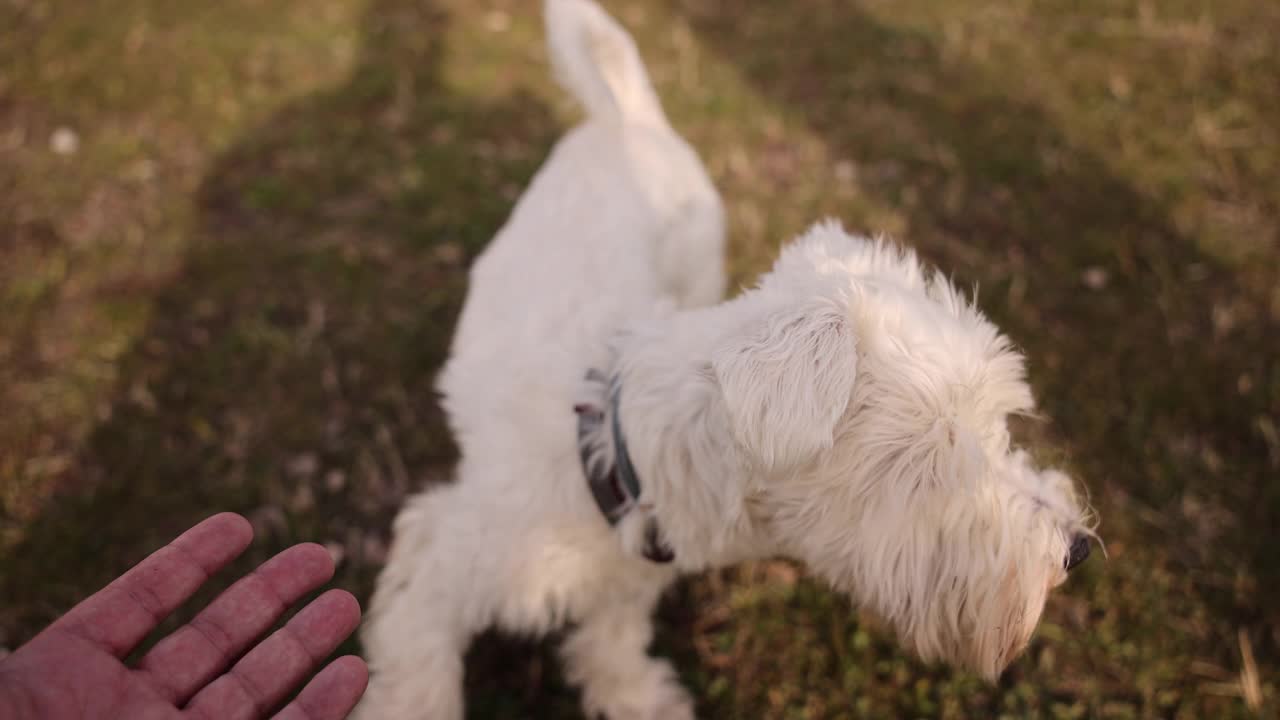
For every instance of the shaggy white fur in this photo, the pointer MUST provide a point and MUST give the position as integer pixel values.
(849, 412)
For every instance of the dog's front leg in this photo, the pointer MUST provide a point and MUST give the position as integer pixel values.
(607, 655)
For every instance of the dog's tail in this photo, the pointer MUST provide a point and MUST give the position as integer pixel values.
(597, 61)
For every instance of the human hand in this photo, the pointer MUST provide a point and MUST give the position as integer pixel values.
(74, 670)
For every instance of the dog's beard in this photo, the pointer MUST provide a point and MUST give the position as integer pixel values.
(961, 574)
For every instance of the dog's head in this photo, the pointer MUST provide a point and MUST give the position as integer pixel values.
(870, 400)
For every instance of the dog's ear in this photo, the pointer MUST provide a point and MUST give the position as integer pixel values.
(787, 381)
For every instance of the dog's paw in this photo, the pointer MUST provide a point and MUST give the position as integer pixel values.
(675, 705)
(675, 710)
(657, 695)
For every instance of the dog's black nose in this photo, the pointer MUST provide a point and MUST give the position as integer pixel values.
(1079, 551)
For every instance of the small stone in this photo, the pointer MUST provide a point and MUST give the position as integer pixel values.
(1244, 384)
(303, 500)
(142, 397)
(64, 141)
(1224, 319)
(782, 573)
(335, 480)
(304, 465)
(143, 170)
(374, 550)
(1095, 278)
(1120, 87)
(14, 139)
(336, 551)
(450, 253)
(497, 21)
(268, 521)
(846, 172)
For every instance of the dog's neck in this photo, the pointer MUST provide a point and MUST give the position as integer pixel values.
(694, 480)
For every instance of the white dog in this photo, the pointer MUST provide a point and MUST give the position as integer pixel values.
(849, 412)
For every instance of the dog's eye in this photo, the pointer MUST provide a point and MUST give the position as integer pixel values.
(1079, 551)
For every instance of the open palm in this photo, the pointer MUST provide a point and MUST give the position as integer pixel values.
(75, 668)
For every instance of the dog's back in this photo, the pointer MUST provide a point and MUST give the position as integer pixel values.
(620, 221)
(620, 218)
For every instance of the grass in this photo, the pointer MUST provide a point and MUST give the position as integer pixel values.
(236, 290)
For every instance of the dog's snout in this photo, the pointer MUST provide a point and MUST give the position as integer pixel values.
(1078, 552)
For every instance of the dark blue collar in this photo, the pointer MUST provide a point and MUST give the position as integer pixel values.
(616, 489)
(622, 458)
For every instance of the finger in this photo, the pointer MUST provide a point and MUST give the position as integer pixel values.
(188, 659)
(264, 677)
(332, 694)
(120, 615)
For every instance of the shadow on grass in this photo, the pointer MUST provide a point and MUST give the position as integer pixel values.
(288, 368)
(1142, 384)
